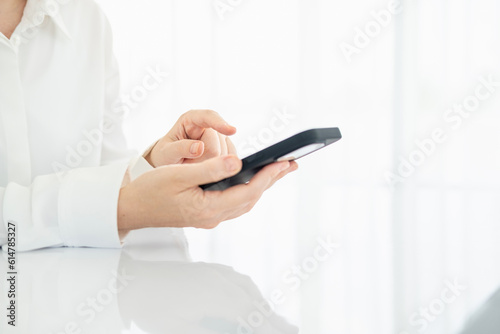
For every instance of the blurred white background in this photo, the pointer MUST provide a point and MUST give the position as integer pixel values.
(274, 67)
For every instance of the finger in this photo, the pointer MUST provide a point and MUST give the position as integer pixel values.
(206, 119)
(238, 200)
(238, 211)
(208, 171)
(176, 151)
(268, 175)
(231, 149)
(251, 192)
(212, 144)
(229, 210)
(222, 144)
(293, 167)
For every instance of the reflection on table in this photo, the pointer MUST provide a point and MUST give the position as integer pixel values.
(149, 286)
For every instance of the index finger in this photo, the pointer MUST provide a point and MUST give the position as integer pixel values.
(205, 118)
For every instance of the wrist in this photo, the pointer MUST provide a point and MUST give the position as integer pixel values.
(126, 219)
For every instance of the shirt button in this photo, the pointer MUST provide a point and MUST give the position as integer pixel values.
(15, 41)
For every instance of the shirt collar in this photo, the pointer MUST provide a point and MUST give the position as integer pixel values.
(36, 11)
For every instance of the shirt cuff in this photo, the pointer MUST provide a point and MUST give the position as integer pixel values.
(88, 206)
(149, 149)
(138, 166)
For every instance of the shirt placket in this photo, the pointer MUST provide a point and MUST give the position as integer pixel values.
(13, 113)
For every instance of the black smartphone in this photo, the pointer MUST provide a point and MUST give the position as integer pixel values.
(291, 148)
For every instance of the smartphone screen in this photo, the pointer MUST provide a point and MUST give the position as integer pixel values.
(301, 152)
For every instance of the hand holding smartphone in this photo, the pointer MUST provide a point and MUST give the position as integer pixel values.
(291, 148)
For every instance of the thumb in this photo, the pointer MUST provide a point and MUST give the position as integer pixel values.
(211, 170)
(174, 152)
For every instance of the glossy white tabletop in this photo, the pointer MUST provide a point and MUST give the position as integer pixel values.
(149, 286)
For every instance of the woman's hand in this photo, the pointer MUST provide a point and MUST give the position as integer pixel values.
(170, 196)
(198, 135)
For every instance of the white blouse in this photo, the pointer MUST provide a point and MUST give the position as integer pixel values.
(63, 155)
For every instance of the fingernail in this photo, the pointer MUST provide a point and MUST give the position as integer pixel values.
(194, 148)
(231, 164)
(284, 165)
